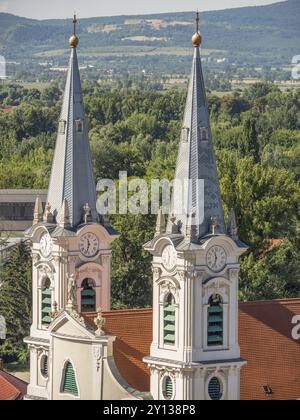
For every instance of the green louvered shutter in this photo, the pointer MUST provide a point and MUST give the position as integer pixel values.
(169, 324)
(69, 385)
(88, 300)
(215, 325)
(214, 389)
(46, 306)
(168, 391)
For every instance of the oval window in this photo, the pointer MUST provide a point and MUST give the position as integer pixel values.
(215, 391)
(168, 388)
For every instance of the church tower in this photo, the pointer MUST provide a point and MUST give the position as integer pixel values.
(195, 352)
(70, 247)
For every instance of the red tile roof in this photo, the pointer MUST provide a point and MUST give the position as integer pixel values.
(265, 339)
(273, 355)
(11, 388)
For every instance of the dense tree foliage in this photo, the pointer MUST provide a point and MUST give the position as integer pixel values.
(15, 302)
(257, 141)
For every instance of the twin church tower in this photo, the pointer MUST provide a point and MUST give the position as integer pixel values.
(195, 352)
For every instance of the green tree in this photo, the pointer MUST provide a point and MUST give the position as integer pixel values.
(272, 274)
(131, 265)
(16, 302)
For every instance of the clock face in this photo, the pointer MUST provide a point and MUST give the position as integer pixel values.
(89, 245)
(216, 258)
(46, 245)
(169, 257)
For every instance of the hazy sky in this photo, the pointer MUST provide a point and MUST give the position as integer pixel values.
(47, 9)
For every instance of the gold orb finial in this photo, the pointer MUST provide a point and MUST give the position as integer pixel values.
(197, 38)
(74, 40)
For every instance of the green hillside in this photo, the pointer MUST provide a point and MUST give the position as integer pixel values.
(263, 35)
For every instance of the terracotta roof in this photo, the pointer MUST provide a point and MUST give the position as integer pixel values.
(273, 356)
(11, 388)
(265, 339)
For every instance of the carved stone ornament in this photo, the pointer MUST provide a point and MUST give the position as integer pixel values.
(234, 274)
(97, 353)
(72, 294)
(168, 287)
(35, 258)
(156, 273)
(99, 322)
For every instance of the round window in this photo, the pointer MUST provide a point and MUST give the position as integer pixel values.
(215, 390)
(44, 366)
(168, 388)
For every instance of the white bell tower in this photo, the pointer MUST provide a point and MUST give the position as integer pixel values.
(195, 352)
(69, 244)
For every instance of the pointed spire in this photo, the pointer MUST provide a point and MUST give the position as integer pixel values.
(232, 227)
(48, 216)
(72, 173)
(65, 215)
(196, 169)
(160, 223)
(38, 211)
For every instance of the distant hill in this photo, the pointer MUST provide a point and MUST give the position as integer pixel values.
(261, 35)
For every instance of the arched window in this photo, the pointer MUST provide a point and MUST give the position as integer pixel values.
(203, 134)
(69, 385)
(88, 296)
(46, 303)
(62, 126)
(168, 388)
(215, 321)
(79, 126)
(169, 320)
(215, 390)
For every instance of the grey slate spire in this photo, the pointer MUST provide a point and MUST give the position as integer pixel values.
(196, 160)
(72, 176)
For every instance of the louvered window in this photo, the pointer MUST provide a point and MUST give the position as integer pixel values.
(79, 126)
(46, 304)
(168, 388)
(215, 321)
(44, 366)
(169, 320)
(69, 383)
(62, 127)
(185, 134)
(215, 389)
(88, 296)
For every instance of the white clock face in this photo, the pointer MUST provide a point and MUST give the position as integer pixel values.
(169, 257)
(46, 245)
(89, 245)
(216, 258)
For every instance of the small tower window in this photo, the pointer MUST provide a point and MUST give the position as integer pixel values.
(46, 303)
(62, 127)
(79, 126)
(44, 366)
(185, 134)
(215, 391)
(203, 134)
(215, 321)
(69, 380)
(88, 296)
(168, 388)
(169, 320)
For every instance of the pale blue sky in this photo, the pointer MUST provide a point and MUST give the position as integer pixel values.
(45, 9)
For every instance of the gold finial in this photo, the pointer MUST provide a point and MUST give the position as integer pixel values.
(197, 39)
(74, 41)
